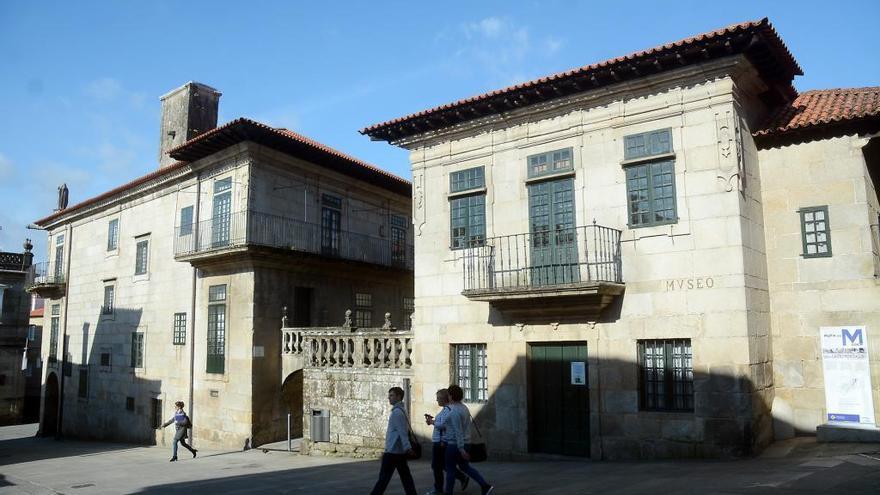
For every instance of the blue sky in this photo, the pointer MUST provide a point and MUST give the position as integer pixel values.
(80, 81)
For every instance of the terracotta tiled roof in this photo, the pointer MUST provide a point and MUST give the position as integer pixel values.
(756, 39)
(824, 107)
(128, 185)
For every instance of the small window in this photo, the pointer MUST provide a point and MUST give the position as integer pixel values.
(179, 328)
(468, 221)
(217, 293)
(186, 221)
(32, 333)
(666, 375)
(222, 185)
(156, 413)
(815, 232)
(137, 350)
(129, 403)
(363, 310)
(113, 235)
(109, 300)
(83, 391)
(470, 371)
(465, 180)
(142, 257)
(553, 162)
(647, 144)
(106, 359)
(398, 221)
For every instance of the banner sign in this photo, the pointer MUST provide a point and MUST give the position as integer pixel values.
(848, 398)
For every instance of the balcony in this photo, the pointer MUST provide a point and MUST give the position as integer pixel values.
(562, 274)
(46, 280)
(249, 230)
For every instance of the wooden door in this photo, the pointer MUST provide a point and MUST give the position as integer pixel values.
(559, 399)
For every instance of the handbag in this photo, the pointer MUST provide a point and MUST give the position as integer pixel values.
(476, 451)
(415, 447)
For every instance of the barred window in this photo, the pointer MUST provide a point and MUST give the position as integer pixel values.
(137, 350)
(468, 221)
(465, 180)
(53, 332)
(550, 163)
(363, 310)
(113, 235)
(179, 328)
(666, 375)
(142, 256)
(815, 232)
(216, 359)
(470, 371)
(109, 300)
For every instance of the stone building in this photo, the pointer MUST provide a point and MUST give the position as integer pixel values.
(19, 375)
(633, 259)
(170, 287)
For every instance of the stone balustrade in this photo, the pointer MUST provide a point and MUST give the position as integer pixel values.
(340, 347)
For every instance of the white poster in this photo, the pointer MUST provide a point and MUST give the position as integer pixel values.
(848, 399)
(578, 373)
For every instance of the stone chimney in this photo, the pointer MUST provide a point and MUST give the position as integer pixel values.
(187, 111)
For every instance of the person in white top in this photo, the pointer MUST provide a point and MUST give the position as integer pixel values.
(439, 448)
(397, 447)
(457, 431)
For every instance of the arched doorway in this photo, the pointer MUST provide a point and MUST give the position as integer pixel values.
(292, 402)
(50, 406)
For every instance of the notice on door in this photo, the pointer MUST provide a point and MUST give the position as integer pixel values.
(848, 399)
(578, 373)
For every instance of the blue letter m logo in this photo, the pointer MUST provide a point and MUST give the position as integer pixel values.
(853, 336)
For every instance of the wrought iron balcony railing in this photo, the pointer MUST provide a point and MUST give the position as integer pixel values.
(45, 273)
(251, 228)
(576, 256)
(13, 261)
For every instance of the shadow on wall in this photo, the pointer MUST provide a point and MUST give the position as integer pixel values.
(105, 394)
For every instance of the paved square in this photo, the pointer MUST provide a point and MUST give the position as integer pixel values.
(31, 465)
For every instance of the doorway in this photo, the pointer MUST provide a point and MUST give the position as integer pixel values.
(50, 406)
(302, 307)
(559, 398)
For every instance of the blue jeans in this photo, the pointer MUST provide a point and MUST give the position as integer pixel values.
(438, 464)
(180, 436)
(390, 462)
(453, 460)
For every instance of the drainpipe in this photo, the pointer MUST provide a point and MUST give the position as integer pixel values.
(69, 245)
(192, 324)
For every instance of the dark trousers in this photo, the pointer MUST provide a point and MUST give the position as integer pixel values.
(438, 464)
(390, 462)
(454, 462)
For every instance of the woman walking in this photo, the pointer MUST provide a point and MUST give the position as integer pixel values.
(457, 431)
(181, 423)
(438, 451)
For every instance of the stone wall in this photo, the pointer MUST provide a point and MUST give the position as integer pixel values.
(358, 403)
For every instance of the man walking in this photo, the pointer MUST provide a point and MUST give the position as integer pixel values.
(457, 431)
(397, 447)
(181, 423)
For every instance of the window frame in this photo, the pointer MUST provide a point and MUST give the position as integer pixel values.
(802, 214)
(138, 350)
(215, 362)
(475, 386)
(113, 235)
(363, 314)
(109, 309)
(178, 336)
(650, 160)
(186, 228)
(142, 265)
(54, 328)
(550, 161)
(671, 395)
(409, 308)
(470, 237)
(468, 179)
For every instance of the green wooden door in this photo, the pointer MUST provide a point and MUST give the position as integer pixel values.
(552, 228)
(559, 399)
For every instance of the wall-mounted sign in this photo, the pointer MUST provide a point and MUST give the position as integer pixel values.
(690, 283)
(578, 373)
(848, 399)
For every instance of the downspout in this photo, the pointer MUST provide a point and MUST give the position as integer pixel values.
(192, 320)
(69, 245)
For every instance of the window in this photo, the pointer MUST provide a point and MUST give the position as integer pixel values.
(331, 224)
(129, 403)
(469, 371)
(109, 299)
(113, 235)
(156, 413)
(468, 221)
(179, 328)
(666, 375)
(105, 359)
(59, 257)
(408, 310)
(550, 163)
(216, 329)
(465, 180)
(650, 183)
(32, 333)
(142, 257)
(815, 232)
(186, 221)
(137, 350)
(398, 239)
(53, 333)
(83, 391)
(363, 315)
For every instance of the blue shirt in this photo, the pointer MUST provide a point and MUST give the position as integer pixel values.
(439, 430)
